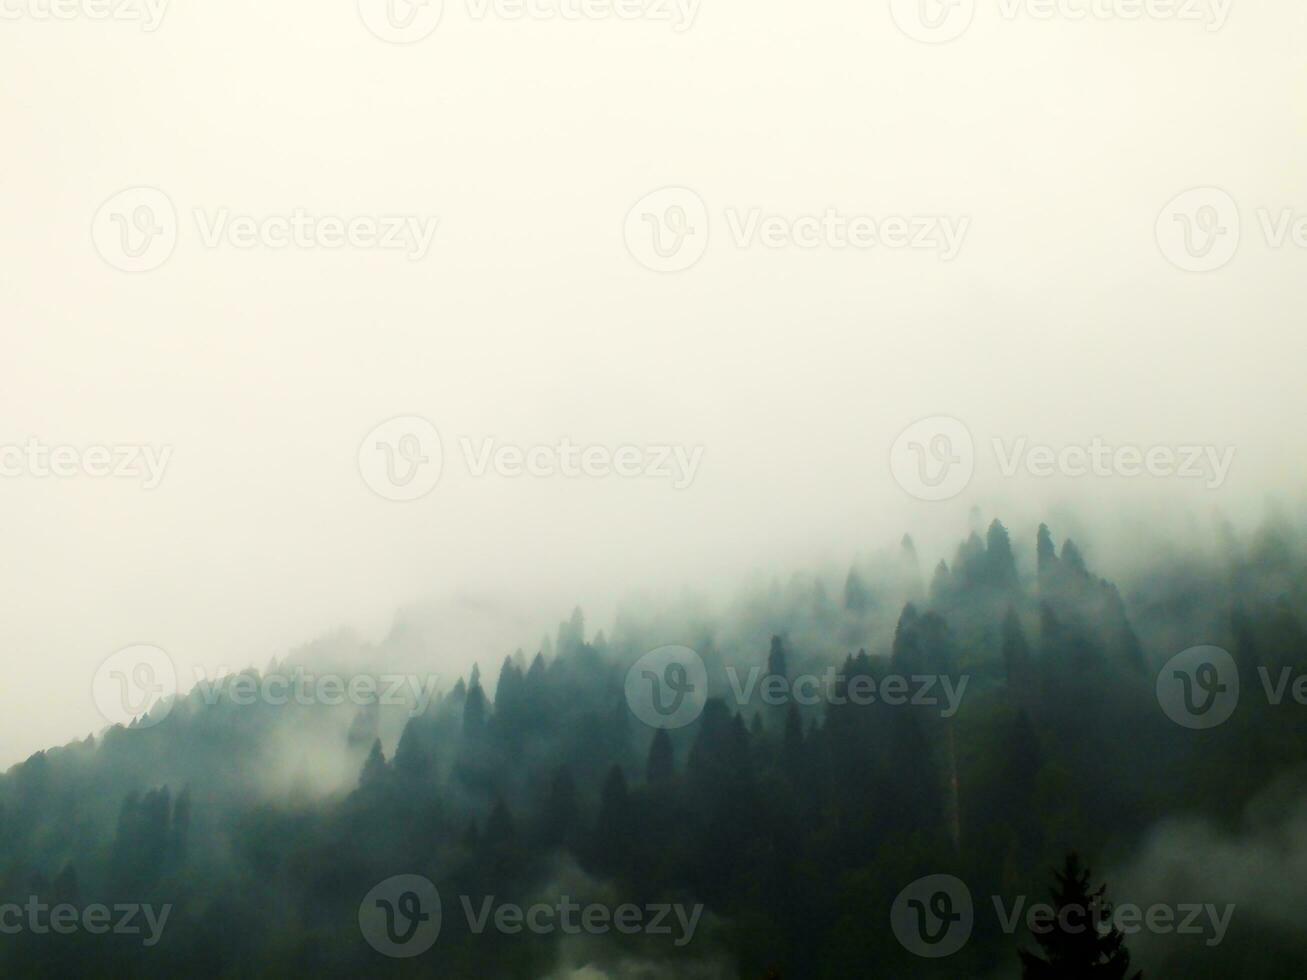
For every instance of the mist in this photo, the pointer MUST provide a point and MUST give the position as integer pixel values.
(348, 348)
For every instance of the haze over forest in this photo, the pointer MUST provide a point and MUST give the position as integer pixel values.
(488, 349)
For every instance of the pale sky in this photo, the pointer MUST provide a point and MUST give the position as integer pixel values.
(1051, 146)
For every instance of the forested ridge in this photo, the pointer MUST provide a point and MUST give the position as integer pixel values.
(795, 825)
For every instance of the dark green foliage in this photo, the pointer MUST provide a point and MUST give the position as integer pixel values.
(1080, 943)
(796, 823)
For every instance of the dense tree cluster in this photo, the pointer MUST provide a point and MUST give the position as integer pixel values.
(796, 824)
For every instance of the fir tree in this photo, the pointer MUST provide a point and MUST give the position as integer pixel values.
(1081, 943)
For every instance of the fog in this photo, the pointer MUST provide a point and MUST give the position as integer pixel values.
(529, 321)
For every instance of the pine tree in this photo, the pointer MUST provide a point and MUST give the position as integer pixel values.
(793, 734)
(998, 556)
(777, 661)
(661, 767)
(560, 812)
(1072, 558)
(941, 583)
(474, 715)
(374, 768)
(181, 826)
(1016, 658)
(613, 831)
(1081, 943)
(411, 758)
(1045, 552)
(856, 596)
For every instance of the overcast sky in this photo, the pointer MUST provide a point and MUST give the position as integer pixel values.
(1035, 291)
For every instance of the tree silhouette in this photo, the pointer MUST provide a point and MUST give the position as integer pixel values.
(661, 766)
(1081, 943)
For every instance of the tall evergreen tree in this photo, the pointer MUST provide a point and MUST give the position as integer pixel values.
(374, 767)
(1001, 563)
(661, 767)
(857, 597)
(1082, 943)
(1045, 551)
